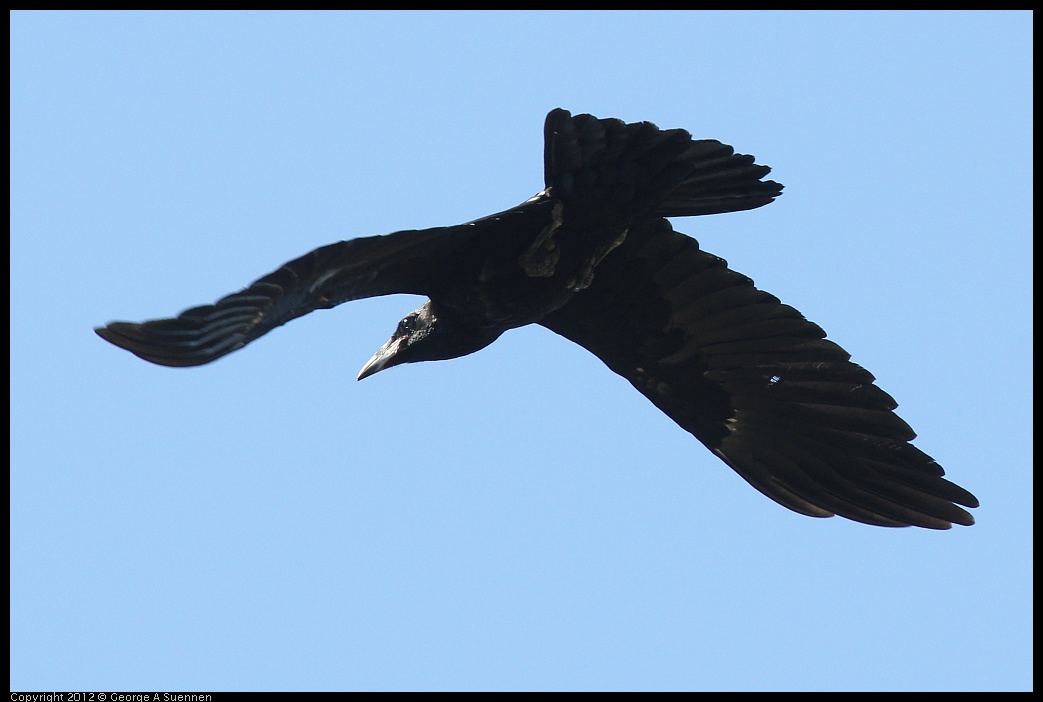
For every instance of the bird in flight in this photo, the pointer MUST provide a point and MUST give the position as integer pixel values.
(593, 257)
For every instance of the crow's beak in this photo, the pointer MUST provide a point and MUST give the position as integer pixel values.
(383, 358)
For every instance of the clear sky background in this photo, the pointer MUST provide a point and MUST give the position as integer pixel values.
(520, 518)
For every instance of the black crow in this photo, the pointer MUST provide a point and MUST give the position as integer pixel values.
(593, 258)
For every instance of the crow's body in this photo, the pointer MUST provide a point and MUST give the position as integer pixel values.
(593, 258)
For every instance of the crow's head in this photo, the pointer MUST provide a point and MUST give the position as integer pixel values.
(432, 333)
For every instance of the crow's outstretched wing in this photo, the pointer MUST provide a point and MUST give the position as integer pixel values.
(422, 262)
(414, 261)
(757, 383)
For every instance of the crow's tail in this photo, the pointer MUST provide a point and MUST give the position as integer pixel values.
(639, 169)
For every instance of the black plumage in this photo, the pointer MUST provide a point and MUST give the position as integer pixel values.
(593, 258)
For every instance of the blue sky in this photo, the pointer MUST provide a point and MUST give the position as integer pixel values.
(520, 518)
